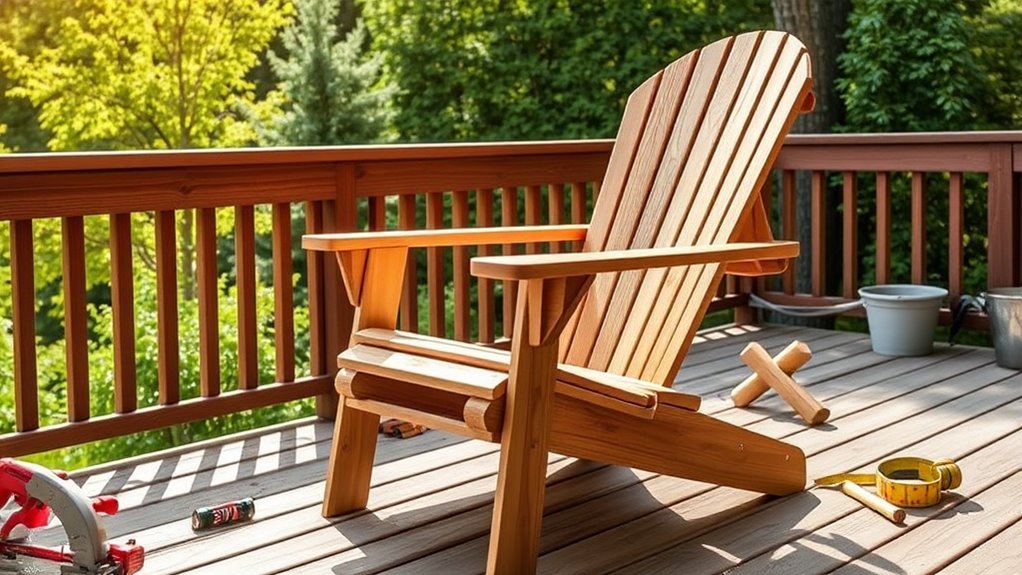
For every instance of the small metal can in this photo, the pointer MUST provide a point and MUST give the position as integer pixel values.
(223, 514)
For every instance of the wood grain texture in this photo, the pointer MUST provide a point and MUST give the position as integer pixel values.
(818, 234)
(349, 470)
(314, 262)
(521, 479)
(883, 229)
(1002, 220)
(122, 304)
(283, 294)
(533, 213)
(424, 371)
(484, 286)
(508, 233)
(956, 239)
(508, 218)
(555, 211)
(166, 309)
(587, 263)
(919, 248)
(26, 394)
(435, 283)
(76, 350)
(164, 415)
(462, 307)
(850, 236)
(788, 224)
(410, 293)
(208, 292)
(244, 261)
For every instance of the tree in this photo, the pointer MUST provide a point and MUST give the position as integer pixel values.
(820, 26)
(148, 73)
(535, 69)
(909, 66)
(327, 83)
(138, 74)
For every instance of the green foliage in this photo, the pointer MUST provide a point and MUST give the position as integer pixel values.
(147, 73)
(327, 84)
(907, 67)
(997, 42)
(930, 65)
(535, 69)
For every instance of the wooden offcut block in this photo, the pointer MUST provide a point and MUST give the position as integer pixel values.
(797, 397)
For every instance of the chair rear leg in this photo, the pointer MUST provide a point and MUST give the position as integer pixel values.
(351, 460)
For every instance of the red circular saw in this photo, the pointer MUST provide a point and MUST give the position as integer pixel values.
(38, 491)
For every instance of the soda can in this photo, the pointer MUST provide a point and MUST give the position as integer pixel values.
(223, 514)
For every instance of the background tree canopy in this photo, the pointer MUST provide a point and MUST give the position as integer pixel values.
(143, 74)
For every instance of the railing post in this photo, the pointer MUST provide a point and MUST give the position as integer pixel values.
(1002, 219)
(339, 215)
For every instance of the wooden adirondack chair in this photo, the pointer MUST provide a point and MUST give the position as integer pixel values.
(600, 334)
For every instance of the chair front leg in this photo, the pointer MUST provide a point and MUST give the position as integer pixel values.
(373, 282)
(521, 482)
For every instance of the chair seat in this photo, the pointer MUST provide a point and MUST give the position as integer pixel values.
(481, 372)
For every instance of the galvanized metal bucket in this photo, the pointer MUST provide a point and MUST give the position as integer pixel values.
(1004, 310)
(902, 317)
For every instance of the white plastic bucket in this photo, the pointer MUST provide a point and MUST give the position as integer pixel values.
(902, 317)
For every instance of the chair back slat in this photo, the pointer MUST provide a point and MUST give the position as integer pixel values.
(711, 125)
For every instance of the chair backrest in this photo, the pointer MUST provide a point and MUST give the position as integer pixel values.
(695, 145)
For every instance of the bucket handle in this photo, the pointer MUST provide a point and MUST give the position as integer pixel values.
(965, 303)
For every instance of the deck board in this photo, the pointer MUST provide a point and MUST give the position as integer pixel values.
(431, 502)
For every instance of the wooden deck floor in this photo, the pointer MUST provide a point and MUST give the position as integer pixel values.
(431, 502)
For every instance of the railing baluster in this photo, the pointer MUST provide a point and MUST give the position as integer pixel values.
(208, 295)
(410, 293)
(169, 369)
(76, 340)
(578, 209)
(883, 247)
(509, 218)
(378, 213)
(850, 271)
(1002, 219)
(555, 212)
(484, 286)
(533, 209)
(818, 235)
(435, 267)
(462, 306)
(918, 228)
(314, 262)
(244, 256)
(956, 229)
(122, 301)
(283, 293)
(788, 224)
(26, 393)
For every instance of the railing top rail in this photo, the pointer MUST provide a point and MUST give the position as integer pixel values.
(880, 139)
(149, 159)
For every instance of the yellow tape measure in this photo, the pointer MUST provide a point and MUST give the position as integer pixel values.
(906, 481)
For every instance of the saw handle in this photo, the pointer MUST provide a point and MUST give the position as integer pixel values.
(105, 504)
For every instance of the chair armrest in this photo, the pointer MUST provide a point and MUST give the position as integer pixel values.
(342, 242)
(542, 266)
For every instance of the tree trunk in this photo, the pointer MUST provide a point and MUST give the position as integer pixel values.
(820, 25)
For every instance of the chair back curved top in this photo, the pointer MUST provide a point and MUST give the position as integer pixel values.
(695, 145)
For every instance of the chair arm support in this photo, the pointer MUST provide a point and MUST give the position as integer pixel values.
(543, 266)
(341, 242)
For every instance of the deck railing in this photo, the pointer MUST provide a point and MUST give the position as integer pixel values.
(981, 170)
(393, 186)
